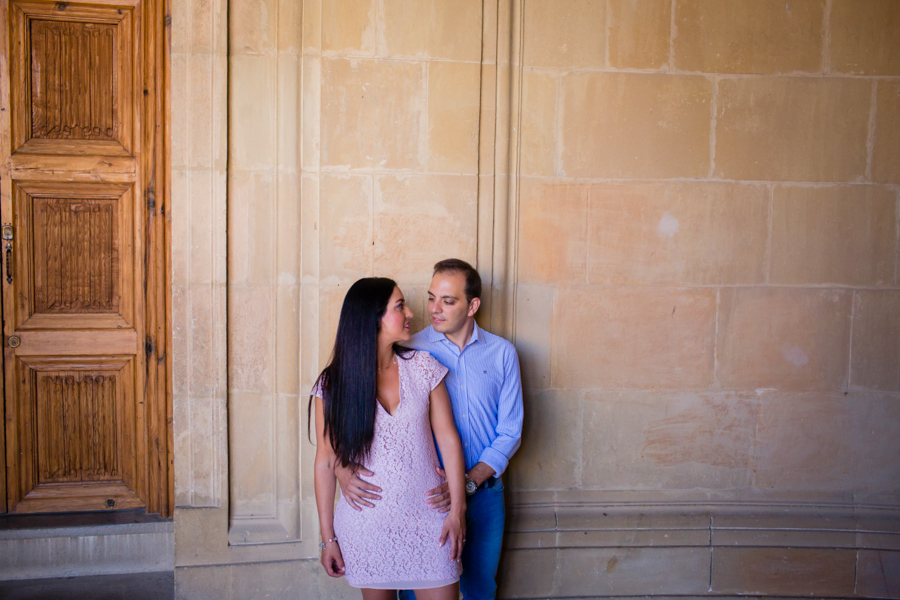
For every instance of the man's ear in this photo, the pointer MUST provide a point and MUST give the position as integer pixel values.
(473, 306)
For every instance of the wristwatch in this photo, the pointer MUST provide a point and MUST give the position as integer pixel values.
(471, 487)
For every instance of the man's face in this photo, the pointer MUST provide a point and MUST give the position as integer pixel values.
(447, 304)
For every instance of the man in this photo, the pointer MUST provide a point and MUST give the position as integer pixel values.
(486, 395)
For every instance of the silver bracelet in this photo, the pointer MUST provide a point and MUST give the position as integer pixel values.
(323, 544)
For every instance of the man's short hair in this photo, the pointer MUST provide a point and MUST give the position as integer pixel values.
(455, 265)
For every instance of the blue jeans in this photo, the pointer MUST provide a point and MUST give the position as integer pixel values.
(485, 516)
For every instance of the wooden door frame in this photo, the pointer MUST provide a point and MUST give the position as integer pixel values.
(155, 249)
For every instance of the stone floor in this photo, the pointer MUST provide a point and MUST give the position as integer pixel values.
(132, 586)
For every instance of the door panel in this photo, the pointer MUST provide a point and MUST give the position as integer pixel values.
(85, 385)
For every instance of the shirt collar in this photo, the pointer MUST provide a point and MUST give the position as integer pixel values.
(436, 336)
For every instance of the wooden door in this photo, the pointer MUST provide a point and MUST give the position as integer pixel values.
(88, 412)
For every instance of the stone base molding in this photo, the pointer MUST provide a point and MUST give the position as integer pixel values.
(568, 544)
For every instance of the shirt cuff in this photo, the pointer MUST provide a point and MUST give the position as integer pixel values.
(495, 460)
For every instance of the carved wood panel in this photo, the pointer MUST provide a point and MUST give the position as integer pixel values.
(76, 426)
(76, 256)
(73, 91)
(84, 187)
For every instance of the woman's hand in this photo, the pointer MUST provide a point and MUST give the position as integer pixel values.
(332, 560)
(454, 531)
(439, 497)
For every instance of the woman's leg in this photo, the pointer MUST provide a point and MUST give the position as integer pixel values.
(370, 594)
(448, 592)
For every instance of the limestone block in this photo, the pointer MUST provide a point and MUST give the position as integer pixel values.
(288, 114)
(639, 33)
(632, 538)
(417, 300)
(331, 299)
(287, 339)
(179, 73)
(349, 27)
(283, 579)
(764, 36)
(783, 338)
(310, 108)
(252, 462)
(635, 125)
(253, 27)
(864, 37)
(538, 150)
(878, 574)
(202, 357)
(446, 29)
(252, 129)
(312, 26)
(551, 441)
(632, 571)
(633, 337)
(783, 571)
(876, 341)
(204, 106)
(886, 151)
(792, 128)
(625, 517)
(552, 231)
(422, 219)
(181, 227)
(290, 27)
(565, 33)
(677, 233)
(203, 583)
(875, 438)
(526, 518)
(181, 339)
(260, 204)
(200, 220)
(287, 228)
(534, 318)
(791, 538)
(181, 419)
(205, 433)
(453, 111)
(371, 112)
(527, 573)
(487, 120)
(802, 442)
(345, 227)
(310, 227)
(251, 343)
(668, 440)
(839, 235)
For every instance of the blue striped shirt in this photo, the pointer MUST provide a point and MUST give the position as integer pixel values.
(485, 392)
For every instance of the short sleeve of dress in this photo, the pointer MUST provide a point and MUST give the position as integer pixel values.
(434, 372)
(317, 389)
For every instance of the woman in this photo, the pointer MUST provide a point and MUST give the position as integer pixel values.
(377, 405)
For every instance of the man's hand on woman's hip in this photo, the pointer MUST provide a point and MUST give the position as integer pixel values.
(355, 490)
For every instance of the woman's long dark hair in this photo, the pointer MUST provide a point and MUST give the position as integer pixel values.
(348, 383)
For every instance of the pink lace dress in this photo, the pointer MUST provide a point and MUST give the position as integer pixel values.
(395, 544)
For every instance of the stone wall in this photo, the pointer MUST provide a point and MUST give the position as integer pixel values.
(687, 215)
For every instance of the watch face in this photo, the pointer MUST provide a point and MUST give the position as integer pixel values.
(471, 487)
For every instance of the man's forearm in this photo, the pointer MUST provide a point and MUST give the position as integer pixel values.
(480, 473)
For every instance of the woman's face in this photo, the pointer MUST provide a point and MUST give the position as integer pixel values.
(395, 322)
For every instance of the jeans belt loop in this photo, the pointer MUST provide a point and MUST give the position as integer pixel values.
(490, 482)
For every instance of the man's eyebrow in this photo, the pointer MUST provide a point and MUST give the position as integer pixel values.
(430, 293)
